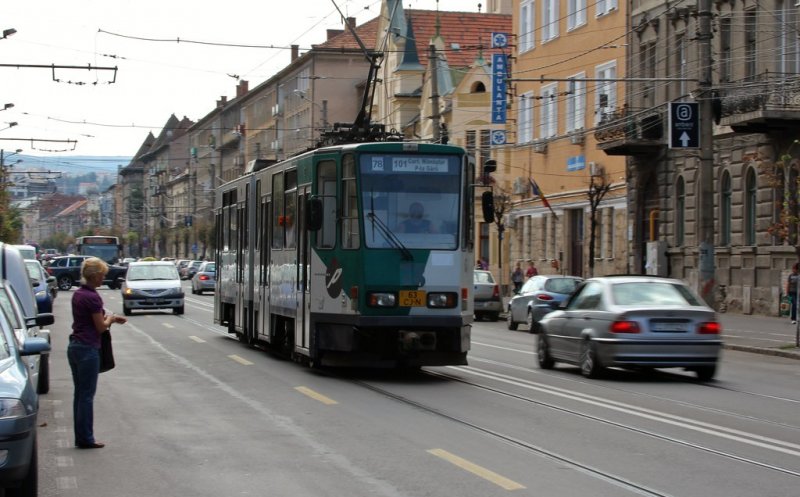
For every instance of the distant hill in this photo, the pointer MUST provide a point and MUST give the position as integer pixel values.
(71, 165)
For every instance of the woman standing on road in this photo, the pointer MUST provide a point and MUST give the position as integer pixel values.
(89, 321)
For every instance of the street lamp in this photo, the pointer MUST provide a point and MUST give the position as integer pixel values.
(7, 106)
(10, 125)
(8, 32)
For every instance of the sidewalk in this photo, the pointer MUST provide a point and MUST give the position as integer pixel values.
(768, 335)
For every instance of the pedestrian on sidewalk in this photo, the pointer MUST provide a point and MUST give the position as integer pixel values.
(791, 290)
(517, 278)
(532, 271)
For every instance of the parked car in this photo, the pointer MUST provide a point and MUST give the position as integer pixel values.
(67, 270)
(19, 404)
(28, 252)
(152, 285)
(634, 322)
(44, 286)
(537, 297)
(188, 271)
(205, 278)
(15, 274)
(486, 296)
(26, 328)
(126, 261)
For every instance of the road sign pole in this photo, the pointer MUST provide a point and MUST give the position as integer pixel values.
(705, 232)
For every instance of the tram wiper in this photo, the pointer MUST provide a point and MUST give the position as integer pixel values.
(389, 236)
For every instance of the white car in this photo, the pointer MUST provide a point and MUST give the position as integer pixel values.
(152, 285)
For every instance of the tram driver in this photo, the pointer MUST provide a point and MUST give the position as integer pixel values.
(416, 222)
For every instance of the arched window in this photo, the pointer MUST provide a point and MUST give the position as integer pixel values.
(478, 87)
(750, 207)
(726, 194)
(680, 209)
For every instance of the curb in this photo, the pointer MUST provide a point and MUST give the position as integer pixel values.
(764, 351)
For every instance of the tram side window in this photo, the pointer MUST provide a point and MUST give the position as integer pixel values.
(350, 235)
(277, 211)
(290, 214)
(326, 189)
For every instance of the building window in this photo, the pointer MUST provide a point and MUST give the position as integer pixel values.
(525, 123)
(788, 48)
(725, 210)
(680, 209)
(576, 13)
(647, 63)
(603, 7)
(483, 243)
(550, 19)
(725, 49)
(750, 30)
(526, 24)
(548, 119)
(605, 91)
(681, 62)
(750, 208)
(576, 102)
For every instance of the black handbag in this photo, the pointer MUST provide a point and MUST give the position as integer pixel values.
(106, 352)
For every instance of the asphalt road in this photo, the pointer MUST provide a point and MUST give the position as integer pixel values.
(191, 412)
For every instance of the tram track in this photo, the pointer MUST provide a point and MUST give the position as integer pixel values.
(691, 405)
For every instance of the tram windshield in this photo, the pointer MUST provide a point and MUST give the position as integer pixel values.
(411, 201)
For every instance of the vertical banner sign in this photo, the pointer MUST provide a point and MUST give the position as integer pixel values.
(499, 84)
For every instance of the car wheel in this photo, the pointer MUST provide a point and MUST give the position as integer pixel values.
(510, 321)
(178, 310)
(546, 361)
(494, 316)
(533, 326)
(478, 317)
(44, 374)
(126, 311)
(705, 373)
(29, 486)
(590, 364)
(64, 282)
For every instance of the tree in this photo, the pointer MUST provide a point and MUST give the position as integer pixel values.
(599, 186)
(782, 175)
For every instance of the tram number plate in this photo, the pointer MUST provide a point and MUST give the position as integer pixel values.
(412, 298)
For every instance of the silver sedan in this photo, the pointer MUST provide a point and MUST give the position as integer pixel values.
(632, 321)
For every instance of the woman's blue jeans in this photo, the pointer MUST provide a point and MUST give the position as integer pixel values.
(84, 361)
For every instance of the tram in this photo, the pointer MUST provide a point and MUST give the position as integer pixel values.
(351, 255)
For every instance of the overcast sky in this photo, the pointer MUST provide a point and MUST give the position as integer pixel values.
(154, 79)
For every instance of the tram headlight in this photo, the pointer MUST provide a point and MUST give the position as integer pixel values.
(442, 300)
(381, 299)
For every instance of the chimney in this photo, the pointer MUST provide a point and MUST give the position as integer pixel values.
(333, 33)
(241, 88)
(295, 52)
(222, 101)
(351, 21)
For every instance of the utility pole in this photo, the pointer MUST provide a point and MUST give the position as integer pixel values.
(705, 226)
(434, 65)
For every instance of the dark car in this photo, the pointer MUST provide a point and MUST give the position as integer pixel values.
(537, 297)
(189, 269)
(205, 278)
(20, 406)
(67, 271)
(44, 288)
(641, 322)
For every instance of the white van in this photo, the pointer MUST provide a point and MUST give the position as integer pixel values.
(28, 252)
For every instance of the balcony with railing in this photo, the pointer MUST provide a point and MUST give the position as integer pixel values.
(769, 101)
(628, 131)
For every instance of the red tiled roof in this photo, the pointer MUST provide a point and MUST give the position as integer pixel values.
(367, 32)
(469, 30)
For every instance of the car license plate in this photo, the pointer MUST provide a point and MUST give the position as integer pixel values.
(412, 298)
(668, 327)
